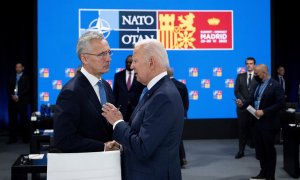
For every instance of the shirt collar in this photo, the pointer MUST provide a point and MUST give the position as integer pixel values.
(127, 72)
(20, 74)
(156, 79)
(92, 79)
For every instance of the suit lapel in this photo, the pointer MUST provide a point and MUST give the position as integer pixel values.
(123, 78)
(147, 96)
(244, 79)
(90, 92)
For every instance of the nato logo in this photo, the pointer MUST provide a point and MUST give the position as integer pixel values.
(70, 72)
(205, 83)
(57, 84)
(44, 96)
(193, 95)
(229, 83)
(217, 71)
(44, 72)
(122, 28)
(193, 72)
(241, 70)
(217, 94)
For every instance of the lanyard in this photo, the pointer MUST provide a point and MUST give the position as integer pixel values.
(261, 89)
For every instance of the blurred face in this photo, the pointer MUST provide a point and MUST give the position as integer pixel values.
(281, 71)
(259, 75)
(250, 65)
(19, 68)
(97, 59)
(128, 63)
(141, 66)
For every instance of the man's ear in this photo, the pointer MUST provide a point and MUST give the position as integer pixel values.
(83, 59)
(151, 61)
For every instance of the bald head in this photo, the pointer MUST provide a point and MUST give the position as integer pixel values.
(261, 72)
(262, 68)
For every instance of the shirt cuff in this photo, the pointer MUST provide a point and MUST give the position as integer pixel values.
(121, 120)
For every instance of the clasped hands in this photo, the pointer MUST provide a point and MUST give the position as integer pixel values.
(15, 98)
(112, 146)
(258, 112)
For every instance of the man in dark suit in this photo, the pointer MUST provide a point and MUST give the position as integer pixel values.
(268, 100)
(127, 89)
(151, 138)
(280, 78)
(181, 87)
(78, 123)
(19, 98)
(243, 86)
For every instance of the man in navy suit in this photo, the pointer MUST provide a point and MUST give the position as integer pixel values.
(244, 84)
(78, 123)
(268, 100)
(19, 98)
(151, 138)
(280, 78)
(127, 89)
(181, 87)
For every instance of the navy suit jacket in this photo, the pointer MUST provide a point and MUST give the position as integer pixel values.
(286, 90)
(78, 123)
(272, 101)
(124, 97)
(23, 88)
(183, 93)
(152, 136)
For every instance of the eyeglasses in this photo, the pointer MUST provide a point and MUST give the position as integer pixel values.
(102, 54)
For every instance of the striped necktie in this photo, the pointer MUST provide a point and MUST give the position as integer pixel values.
(145, 90)
(102, 92)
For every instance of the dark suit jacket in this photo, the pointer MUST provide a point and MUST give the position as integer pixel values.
(78, 123)
(272, 101)
(23, 88)
(286, 84)
(183, 93)
(240, 89)
(152, 136)
(124, 97)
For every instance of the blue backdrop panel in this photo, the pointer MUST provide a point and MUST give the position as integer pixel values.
(207, 43)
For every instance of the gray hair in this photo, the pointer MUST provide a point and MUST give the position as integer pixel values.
(83, 43)
(154, 48)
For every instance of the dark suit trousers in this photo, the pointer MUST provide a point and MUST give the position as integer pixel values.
(181, 152)
(265, 150)
(18, 110)
(245, 128)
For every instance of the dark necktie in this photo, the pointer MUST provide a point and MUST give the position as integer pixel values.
(102, 92)
(281, 81)
(249, 81)
(16, 85)
(141, 102)
(128, 84)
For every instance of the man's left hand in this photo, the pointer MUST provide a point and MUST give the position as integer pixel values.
(259, 113)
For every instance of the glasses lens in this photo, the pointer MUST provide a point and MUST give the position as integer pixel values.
(107, 53)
